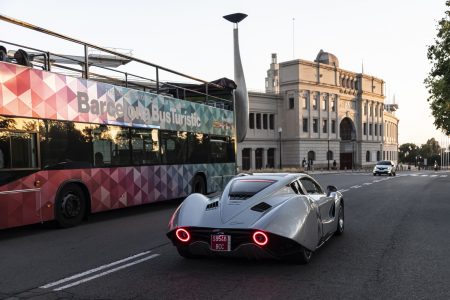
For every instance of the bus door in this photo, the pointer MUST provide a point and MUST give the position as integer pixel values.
(20, 200)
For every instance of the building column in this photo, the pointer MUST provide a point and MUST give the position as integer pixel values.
(252, 158)
(264, 158)
(365, 119)
(310, 110)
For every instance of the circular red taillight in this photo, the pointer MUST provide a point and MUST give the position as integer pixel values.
(260, 238)
(183, 235)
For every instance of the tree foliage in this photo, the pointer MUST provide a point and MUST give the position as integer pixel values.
(438, 80)
(411, 153)
(408, 152)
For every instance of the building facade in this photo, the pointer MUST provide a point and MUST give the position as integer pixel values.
(314, 111)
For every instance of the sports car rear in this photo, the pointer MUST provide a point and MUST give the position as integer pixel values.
(249, 243)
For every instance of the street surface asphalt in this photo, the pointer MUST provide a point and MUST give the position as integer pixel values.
(396, 245)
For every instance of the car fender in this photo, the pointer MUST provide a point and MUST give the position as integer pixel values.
(189, 212)
(296, 219)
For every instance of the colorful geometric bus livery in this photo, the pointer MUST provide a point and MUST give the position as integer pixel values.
(28, 92)
(30, 200)
(37, 107)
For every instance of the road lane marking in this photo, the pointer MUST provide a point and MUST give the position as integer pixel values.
(424, 175)
(343, 191)
(367, 183)
(105, 273)
(443, 176)
(355, 187)
(433, 175)
(52, 284)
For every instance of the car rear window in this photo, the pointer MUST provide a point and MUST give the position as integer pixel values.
(245, 188)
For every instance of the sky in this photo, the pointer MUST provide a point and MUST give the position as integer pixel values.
(389, 38)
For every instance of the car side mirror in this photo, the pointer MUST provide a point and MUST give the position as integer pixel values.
(331, 189)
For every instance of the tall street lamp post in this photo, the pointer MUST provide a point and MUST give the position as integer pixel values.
(280, 130)
(240, 93)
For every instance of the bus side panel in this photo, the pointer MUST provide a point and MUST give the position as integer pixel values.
(31, 199)
(112, 188)
(20, 202)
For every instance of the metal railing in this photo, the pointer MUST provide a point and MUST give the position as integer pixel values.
(122, 78)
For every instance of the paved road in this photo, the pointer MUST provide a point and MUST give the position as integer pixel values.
(395, 246)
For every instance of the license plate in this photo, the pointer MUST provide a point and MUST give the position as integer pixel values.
(220, 242)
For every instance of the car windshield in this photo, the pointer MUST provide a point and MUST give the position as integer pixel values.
(249, 187)
(384, 163)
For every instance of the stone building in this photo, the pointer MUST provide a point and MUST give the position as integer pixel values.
(318, 112)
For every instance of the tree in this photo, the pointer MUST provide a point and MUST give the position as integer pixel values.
(430, 150)
(408, 152)
(438, 80)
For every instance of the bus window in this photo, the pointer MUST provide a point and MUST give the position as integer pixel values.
(145, 146)
(18, 150)
(66, 145)
(221, 149)
(198, 148)
(113, 143)
(173, 147)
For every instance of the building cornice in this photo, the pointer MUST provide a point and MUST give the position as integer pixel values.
(331, 68)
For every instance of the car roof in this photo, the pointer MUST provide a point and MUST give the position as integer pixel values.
(272, 176)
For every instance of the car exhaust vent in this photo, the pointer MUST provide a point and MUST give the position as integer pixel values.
(261, 207)
(240, 196)
(213, 205)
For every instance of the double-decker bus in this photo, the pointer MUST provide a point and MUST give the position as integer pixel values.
(74, 141)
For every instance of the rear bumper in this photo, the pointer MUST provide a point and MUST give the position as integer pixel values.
(242, 244)
(380, 172)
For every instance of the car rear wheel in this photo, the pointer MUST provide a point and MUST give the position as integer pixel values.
(302, 257)
(340, 224)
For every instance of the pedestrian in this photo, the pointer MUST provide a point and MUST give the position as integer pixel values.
(334, 165)
(304, 163)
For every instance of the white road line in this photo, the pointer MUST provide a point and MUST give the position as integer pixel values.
(49, 285)
(343, 191)
(367, 183)
(433, 175)
(424, 175)
(105, 273)
(355, 187)
(443, 176)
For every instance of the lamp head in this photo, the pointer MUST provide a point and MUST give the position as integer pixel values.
(235, 18)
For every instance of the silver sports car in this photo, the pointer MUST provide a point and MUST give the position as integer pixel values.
(260, 215)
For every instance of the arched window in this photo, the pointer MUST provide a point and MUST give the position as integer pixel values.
(246, 158)
(367, 156)
(259, 158)
(311, 155)
(271, 158)
(329, 155)
(347, 130)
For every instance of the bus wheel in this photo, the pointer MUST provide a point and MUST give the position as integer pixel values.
(198, 185)
(70, 206)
